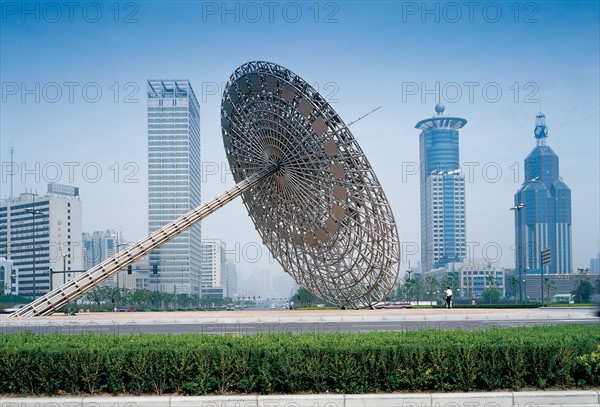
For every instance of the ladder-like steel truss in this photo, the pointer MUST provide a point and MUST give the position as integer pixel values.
(75, 288)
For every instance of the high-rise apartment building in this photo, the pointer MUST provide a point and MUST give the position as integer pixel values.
(214, 269)
(443, 236)
(42, 237)
(543, 210)
(174, 181)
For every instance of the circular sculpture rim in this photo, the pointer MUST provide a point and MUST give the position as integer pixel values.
(323, 213)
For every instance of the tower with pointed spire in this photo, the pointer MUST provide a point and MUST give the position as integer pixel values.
(442, 183)
(545, 218)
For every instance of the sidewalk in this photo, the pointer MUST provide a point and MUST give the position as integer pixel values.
(196, 317)
(587, 398)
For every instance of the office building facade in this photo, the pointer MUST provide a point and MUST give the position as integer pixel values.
(41, 235)
(543, 215)
(232, 278)
(442, 189)
(9, 282)
(174, 182)
(214, 266)
(595, 265)
(98, 246)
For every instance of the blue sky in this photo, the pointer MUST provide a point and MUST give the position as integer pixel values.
(360, 55)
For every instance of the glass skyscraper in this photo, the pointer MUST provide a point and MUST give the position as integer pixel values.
(174, 182)
(442, 191)
(543, 215)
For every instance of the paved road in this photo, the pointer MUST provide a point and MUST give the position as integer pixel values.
(252, 322)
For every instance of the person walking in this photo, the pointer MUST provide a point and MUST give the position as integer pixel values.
(448, 298)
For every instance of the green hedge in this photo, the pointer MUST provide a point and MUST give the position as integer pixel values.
(426, 360)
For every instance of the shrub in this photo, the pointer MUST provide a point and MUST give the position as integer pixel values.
(563, 356)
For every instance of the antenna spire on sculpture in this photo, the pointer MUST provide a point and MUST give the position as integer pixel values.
(307, 185)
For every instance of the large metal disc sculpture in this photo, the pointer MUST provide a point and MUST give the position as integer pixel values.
(323, 213)
(307, 185)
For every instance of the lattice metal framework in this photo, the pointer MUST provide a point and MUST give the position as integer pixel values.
(323, 214)
(307, 185)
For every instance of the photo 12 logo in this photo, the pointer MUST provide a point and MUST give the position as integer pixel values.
(270, 12)
(470, 91)
(469, 12)
(70, 172)
(36, 12)
(69, 92)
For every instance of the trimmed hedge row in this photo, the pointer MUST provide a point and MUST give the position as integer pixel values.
(194, 364)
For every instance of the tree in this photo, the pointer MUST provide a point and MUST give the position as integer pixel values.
(418, 288)
(94, 295)
(303, 297)
(185, 300)
(492, 289)
(432, 286)
(491, 295)
(549, 285)
(408, 288)
(515, 283)
(583, 291)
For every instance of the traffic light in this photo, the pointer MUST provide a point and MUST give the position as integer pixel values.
(155, 269)
(129, 269)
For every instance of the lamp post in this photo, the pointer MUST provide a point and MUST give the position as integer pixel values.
(33, 212)
(519, 262)
(65, 268)
(409, 271)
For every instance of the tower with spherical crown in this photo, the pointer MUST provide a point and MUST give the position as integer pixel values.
(443, 229)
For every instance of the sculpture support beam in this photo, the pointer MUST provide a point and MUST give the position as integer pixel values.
(77, 287)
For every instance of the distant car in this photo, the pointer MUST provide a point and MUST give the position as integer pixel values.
(393, 304)
(126, 309)
(230, 307)
(12, 309)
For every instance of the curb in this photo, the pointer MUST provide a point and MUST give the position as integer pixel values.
(576, 398)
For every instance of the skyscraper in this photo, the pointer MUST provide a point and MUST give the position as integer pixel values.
(442, 191)
(214, 270)
(174, 181)
(543, 219)
(40, 234)
(98, 246)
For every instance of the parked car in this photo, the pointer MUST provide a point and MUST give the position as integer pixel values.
(393, 304)
(12, 309)
(126, 309)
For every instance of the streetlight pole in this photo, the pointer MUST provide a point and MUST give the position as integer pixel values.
(118, 274)
(65, 268)
(524, 282)
(519, 262)
(409, 271)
